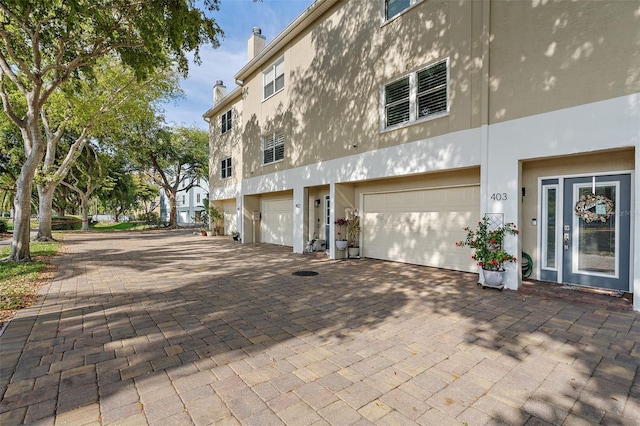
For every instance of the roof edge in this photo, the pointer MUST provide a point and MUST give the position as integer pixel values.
(224, 102)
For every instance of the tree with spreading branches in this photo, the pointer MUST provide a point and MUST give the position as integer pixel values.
(50, 46)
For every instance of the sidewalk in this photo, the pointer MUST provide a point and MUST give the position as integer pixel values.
(167, 327)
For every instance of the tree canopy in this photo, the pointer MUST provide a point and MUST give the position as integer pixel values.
(51, 46)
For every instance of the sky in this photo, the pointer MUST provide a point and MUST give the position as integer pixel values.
(236, 18)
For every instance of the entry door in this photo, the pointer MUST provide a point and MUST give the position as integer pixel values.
(596, 246)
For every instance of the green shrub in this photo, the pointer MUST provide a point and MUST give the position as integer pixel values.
(66, 224)
(3, 226)
(149, 218)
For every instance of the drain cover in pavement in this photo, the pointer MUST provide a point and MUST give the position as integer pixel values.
(305, 273)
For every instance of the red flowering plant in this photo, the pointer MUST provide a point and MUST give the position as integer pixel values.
(488, 244)
(341, 223)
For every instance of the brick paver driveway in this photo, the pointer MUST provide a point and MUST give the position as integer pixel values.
(172, 328)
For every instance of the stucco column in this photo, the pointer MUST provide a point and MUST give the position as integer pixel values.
(502, 196)
(300, 205)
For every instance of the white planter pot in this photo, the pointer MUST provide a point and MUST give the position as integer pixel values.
(341, 244)
(493, 278)
(354, 252)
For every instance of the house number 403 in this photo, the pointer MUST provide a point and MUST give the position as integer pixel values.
(499, 196)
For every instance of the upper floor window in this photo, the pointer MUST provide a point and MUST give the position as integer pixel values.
(273, 78)
(418, 95)
(197, 198)
(225, 168)
(225, 122)
(396, 7)
(272, 148)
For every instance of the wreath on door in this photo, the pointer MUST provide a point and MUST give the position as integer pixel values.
(592, 207)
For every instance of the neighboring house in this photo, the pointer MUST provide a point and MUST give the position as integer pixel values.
(190, 203)
(424, 115)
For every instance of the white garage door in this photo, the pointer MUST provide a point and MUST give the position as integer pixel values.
(276, 226)
(230, 217)
(421, 226)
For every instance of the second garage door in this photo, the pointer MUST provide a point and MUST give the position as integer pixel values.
(421, 226)
(276, 226)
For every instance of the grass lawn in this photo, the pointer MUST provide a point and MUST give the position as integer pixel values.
(19, 282)
(121, 226)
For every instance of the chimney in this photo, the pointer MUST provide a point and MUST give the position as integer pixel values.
(219, 92)
(256, 43)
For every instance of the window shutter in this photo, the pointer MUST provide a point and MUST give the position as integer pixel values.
(432, 90)
(279, 147)
(397, 101)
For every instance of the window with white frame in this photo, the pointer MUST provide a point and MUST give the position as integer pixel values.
(225, 168)
(396, 7)
(273, 148)
(225, 122)
(273, 78)
(418, 95)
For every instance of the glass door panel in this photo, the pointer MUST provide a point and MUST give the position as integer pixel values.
(596, 228)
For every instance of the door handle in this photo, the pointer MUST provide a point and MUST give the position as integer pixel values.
(566, 240)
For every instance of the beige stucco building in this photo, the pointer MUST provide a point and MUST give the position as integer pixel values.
(425, 115)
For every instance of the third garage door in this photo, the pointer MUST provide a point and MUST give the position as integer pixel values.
(421, 226)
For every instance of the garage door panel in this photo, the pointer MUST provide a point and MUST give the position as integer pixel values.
(420, 227)
(276, 225)
(230, 217)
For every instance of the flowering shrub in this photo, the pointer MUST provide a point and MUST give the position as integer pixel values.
(488, 244)
(341, 222)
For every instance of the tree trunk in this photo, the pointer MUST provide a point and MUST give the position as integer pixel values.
(84, 206)
(173, 211)
(22, 203)
(21, 220)
(45, 198)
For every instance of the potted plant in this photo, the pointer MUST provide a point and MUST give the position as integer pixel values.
(489, 251)
(353, 234)
(341, 243)
(215, 216)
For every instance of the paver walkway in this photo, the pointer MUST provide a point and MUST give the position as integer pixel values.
(170, 328)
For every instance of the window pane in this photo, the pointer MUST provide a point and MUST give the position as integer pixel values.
(397, 91)
(268, 156)
(228, 120)
(396, 6)
(268, 76)
(279, 152)
(432, 102)
(597, 240)
(433, 77)
(279, 69)
(279, 82)
(268, 90)
(398, 113)
(550, 261)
